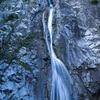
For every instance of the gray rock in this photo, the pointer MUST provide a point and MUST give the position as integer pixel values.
(77, 44)
(25, 71)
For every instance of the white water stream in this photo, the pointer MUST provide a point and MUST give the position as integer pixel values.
(62, 85)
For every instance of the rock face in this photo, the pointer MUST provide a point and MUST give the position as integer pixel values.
(25, 71)
(24, 62)
(77, 43)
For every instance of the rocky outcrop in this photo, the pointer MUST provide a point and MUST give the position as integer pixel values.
(77, 43)
(24, 61)
(25, 71)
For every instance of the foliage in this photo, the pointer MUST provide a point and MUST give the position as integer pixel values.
(0, 1)
(93, 1)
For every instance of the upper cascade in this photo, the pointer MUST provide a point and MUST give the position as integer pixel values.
(62, 85)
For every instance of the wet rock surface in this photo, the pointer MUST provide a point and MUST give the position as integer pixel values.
(25, 71)
(77, 44)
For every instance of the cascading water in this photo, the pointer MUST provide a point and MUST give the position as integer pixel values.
(62, 85)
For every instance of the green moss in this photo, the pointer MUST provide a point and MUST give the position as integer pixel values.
(18, 49)
(0, 1)
(8, 7)
(15, 57)
(0, 56)
(34, 7)
(10, 17)
(98, 32)
(30, 36)
(24, 55)
(67, 68)
(4, 29)
(24, 35)
(26, 67)
(93, 1)
(34, 3)
(10, 35)
(65, 64)
(23, 64)
(28, 3)
(10, 57)
(25, 44)
(12, 26)
(19, 74)
(55, 50)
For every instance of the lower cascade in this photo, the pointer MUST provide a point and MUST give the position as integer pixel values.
(62, 85)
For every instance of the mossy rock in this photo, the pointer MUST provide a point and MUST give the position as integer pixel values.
(3, 29)
(10, 57)
(30, 36)
(25, 44)
(10, 17)
(93, 1)
(23, 64)
(0, 1)
(56, 52)
(1, 54)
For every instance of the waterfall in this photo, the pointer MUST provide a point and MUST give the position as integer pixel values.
(62, 85)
